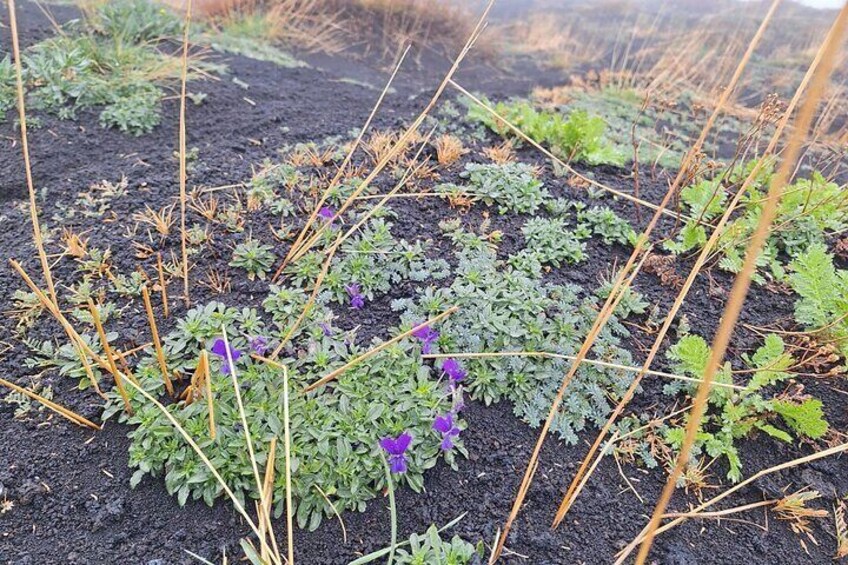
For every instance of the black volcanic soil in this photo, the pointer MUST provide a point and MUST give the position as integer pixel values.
(70, 486)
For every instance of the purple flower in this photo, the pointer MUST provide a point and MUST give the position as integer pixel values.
(453, 370)
(259, 345)
(325, 327)
(396, 449)
(427, 335)
(444, 425)
(357, 301)
(326, 213)
(220, 349)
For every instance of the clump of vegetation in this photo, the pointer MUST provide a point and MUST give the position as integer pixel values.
(552, 242)
(512, 186)
(7, 85)
(112, 59)
(431, 549)
(809, 210)
(254, 257)
(823, 292)
(335, 431)
(735, 414)
(579, 137)
(504, 309)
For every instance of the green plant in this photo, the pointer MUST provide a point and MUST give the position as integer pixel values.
(335, 430)
(254, 257)
(579, 137)
(431, 549)
(110, 59)
(602, 221)
(505, 309)
(552, 242)
(7, 85)
(823, 295)
(733, 415)
(809, 210)
(512, 186)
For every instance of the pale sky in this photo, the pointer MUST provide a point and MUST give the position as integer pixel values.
(822, 3)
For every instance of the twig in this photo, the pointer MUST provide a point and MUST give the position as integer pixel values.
(183, 79)
(368, 354)
(61, 410)
(107, 351)
(157, 345)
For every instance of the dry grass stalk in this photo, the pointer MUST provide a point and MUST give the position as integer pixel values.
(545, 354)
(61, 410)
(370, 353)
(33, 206)
(163, 285)
(157, 344)
(841, 528)
(836, 450)
(793, 509)
(743, 279)
(703, 257)
(75, 245)
(341, 170)
(402, 142)
(183, 174)
(612, 302)
(287, 451)
(203, 362)
(259, 488)
(57, 314)
(107, 351)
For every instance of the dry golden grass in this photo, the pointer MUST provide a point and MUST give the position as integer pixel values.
(449, 149)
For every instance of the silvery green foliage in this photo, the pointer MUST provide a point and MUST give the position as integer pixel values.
(512, 186)
(335, 430)
(506, 309)
(431, 549)
(373, 259)
(254, 257)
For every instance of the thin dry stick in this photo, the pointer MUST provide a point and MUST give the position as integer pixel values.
(342, 168)
(237, 389)
(402, 142)
(718, 498)
(57, 314)
(368, 354)
(571, 358)
(204, 362)
(264, 505)
(157, 345)
(743, 280)
(316, 287)
(163, 287)
(61, 410)
(107, 351)
(33, 207)
(620, 288)
(287, 450)
(562, 163)
(703, 257)
(609, 306)
(183, 78)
